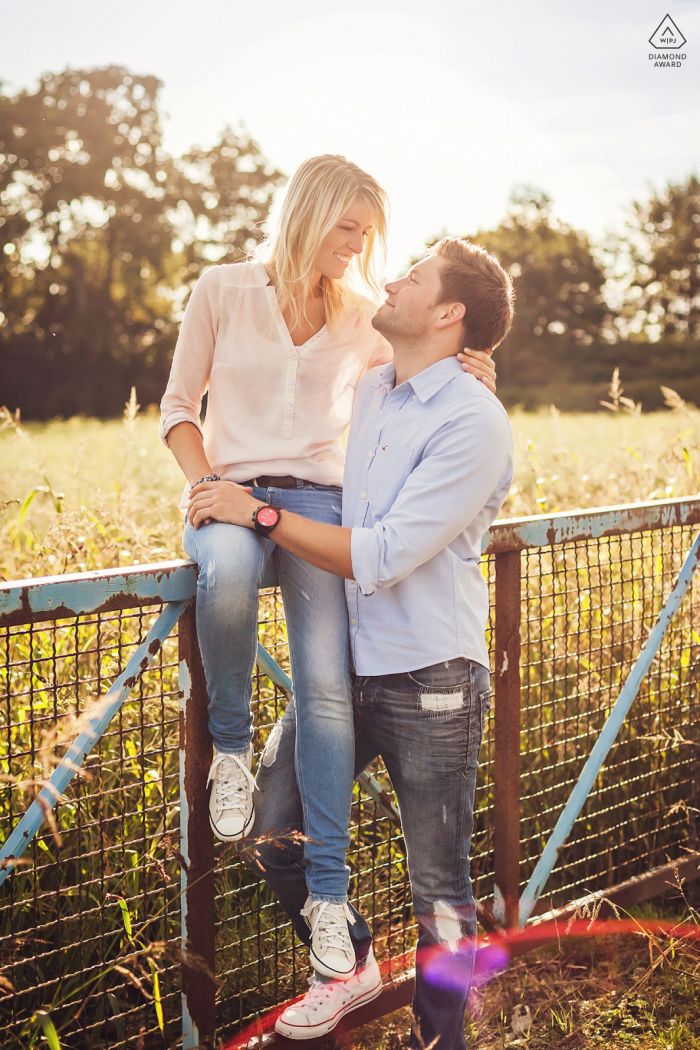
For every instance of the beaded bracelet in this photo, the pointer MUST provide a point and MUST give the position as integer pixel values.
(207, 477)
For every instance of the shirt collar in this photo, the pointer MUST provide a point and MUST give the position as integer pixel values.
(426, 383)
(430, 380)
(387, 377)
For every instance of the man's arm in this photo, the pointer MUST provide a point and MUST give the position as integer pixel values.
(325, 546)
(445, 492)
(463, 466)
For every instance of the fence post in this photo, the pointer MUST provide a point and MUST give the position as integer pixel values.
(197, 845)
(506, 769)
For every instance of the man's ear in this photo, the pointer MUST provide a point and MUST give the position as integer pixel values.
(450, 314)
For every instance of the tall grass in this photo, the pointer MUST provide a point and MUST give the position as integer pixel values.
(88, 494)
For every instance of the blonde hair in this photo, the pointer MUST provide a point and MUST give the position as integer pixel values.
(320, 190)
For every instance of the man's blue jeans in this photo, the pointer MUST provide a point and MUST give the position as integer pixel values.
(231, 561)
(427, 726)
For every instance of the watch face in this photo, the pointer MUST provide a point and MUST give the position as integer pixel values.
(267, 516)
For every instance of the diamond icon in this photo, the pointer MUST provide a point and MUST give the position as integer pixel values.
(667, 36)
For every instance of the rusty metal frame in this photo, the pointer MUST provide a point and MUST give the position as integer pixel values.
(174, 583)
(548, 530)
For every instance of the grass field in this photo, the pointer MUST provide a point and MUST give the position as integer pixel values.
(86, 494)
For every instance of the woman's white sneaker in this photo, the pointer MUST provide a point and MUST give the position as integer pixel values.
(332, 953)
(327, 1002)
(231, 800)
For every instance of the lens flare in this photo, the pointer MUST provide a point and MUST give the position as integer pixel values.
(473, 965)
(466, 968)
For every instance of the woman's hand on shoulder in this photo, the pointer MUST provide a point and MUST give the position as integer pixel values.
(479, 363)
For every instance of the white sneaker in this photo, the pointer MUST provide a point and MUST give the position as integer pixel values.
(231, 800)
(332, 953)
(326, 1003)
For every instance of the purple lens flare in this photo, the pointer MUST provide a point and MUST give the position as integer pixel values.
(466, 968)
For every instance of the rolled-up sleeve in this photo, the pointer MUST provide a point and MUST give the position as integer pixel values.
(192, 360)
(463, 465)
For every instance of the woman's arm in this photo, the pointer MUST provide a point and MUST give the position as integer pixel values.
(186, 444)
(191, 369)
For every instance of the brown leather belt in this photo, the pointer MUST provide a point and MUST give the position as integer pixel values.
(269, 481)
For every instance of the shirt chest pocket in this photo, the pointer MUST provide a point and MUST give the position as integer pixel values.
(390, 466)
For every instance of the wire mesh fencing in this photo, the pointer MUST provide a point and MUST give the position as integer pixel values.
(90, 926)
(90, 922)
(587, 612)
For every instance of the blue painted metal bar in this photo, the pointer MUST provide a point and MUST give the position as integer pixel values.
(83, 593)
(52, 597)
(273, 671)
(608, 734)
(105, 710)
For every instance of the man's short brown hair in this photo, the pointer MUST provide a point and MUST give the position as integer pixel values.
(473, 277)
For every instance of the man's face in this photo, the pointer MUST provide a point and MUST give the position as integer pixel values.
(413, 302)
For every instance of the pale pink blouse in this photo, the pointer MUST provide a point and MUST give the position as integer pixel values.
(273, 408)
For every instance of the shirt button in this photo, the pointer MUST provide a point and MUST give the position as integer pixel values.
(291, 382)
(353, 621)
(294, 357)
(289, 407)
(363, 496)
(414, 397)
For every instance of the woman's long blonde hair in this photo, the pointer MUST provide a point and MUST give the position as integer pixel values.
(320, 190)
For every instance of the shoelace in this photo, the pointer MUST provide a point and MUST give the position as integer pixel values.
(329, 919)
(319, 991)
(229, 784)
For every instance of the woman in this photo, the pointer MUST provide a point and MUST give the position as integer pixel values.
(280, 343)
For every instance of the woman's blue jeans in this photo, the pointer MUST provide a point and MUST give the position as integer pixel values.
(231, 561)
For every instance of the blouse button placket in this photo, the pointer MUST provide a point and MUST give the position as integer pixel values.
(290, 390)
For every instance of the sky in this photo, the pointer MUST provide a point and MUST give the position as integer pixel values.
(450, 104)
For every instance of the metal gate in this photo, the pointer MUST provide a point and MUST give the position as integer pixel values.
(118, 908)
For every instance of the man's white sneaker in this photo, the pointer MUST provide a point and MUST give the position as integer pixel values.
(231, 801)
(332, 953)
(326, 1003)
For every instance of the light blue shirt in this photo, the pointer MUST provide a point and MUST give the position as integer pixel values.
(428, 466)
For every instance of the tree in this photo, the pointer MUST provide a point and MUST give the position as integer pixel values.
(560, 313)
(664, 243)
(103, 234)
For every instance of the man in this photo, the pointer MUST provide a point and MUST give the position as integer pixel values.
(429, 463)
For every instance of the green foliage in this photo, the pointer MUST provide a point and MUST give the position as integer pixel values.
(583, 310)
(665, 239)
(560, 311)
(44, 1020)
(102, 235)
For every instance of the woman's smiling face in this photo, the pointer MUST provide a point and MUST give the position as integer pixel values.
(347, 238)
